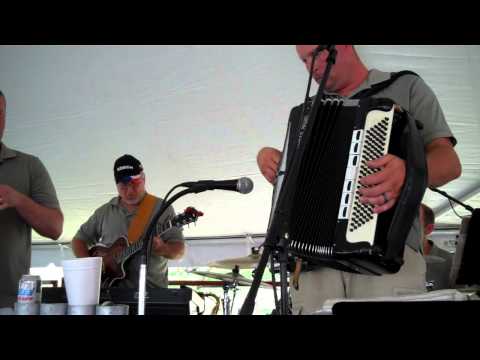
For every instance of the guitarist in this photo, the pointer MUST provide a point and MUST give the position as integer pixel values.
(128, 215)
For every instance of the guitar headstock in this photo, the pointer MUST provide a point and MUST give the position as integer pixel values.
(189, 215)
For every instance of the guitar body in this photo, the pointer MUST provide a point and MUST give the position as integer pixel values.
(113, 268)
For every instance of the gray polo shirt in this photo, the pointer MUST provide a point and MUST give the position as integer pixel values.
(111, 221)
(416, 97)
(26, 174)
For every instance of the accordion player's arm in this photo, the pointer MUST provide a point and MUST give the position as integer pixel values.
(442, 162)
(268, 160)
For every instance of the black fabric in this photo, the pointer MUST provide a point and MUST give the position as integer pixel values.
(469, 272)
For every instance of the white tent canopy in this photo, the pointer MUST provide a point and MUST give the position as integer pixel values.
(197, 112)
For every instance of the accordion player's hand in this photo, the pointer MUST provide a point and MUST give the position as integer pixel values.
(268, 160)
(382, 188)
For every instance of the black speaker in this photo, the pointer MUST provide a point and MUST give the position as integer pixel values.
(158, 301)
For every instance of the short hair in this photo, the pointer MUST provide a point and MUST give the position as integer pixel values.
(2, 94)
(428, 215)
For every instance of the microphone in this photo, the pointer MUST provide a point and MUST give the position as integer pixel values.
(243, 185)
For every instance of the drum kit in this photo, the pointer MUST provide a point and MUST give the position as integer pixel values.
(232, 280)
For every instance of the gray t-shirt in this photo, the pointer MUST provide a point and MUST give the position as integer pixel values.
(26, 174)
(111, 221)
(416, 97)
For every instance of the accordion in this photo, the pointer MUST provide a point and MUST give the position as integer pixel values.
(316, 207)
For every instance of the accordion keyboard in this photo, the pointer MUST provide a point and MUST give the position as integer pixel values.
(367, 144)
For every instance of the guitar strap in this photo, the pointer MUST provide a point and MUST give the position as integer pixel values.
(142, 217)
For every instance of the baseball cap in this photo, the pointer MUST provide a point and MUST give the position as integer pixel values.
(127, 168)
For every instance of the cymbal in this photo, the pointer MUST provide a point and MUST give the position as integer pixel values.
(247, 262)
(229, 277)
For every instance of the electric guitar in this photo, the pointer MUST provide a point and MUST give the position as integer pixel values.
(116, 256)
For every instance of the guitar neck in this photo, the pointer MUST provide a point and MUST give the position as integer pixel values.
(132, 249)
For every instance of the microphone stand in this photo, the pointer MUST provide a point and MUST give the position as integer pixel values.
(147, 245)
(274, 242)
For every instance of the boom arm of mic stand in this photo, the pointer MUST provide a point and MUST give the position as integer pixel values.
(147, 249)
(153, 223)
(331, 59)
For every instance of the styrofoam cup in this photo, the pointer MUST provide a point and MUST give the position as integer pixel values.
(82, 280)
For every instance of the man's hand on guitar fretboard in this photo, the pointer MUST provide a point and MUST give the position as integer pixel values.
(171, 250)
(158, 245)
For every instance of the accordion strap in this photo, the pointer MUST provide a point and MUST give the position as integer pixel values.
(375, 88)
(416, 181)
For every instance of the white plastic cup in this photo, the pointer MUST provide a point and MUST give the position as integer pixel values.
(82, 280)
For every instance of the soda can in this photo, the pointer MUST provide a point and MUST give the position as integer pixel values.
(29, 290)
